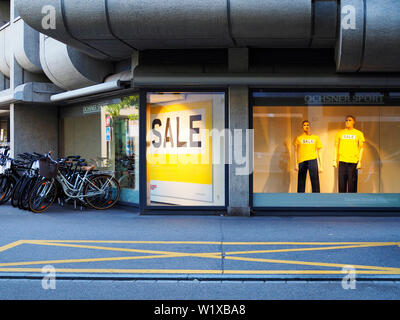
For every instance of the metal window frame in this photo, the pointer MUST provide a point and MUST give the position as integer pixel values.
(160, 209)
(318, 211)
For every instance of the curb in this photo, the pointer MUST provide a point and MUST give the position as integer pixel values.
(200, 277)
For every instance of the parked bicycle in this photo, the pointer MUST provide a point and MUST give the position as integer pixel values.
(11, 171)
(75, 180)
(28, 179)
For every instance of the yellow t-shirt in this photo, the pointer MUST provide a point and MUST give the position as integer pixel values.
(349, 144)
(307, 146)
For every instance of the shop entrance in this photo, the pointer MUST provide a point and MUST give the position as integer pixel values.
(106, 134)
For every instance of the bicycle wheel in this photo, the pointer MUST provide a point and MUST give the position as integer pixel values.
(102, 192)
(22, 189)
(23, 201)
(16, 192)
(42, 196)
(6, 187)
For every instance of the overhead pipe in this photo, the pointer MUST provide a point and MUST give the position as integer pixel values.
(88, 91)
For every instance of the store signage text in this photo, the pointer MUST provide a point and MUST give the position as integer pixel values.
(92, 109)
(344, 99)
(178, 132)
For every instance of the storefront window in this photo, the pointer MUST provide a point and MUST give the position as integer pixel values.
(185, 151)
(107, 135)
(326, 150)
(4, 128)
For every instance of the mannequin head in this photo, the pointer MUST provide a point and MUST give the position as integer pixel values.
(350, 120)
(306, 126)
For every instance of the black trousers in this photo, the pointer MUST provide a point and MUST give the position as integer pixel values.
(348, 175)
(312, 167)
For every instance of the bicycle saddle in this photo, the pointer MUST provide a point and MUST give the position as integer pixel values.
(89, 168)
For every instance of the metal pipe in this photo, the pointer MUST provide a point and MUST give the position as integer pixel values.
(87, 91)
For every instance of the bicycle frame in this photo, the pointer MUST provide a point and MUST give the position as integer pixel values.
(76, 191)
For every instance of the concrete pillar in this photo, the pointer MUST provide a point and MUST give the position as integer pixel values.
(239, 182)
(34, 128)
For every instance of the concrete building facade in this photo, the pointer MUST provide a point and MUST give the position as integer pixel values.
(132, 85)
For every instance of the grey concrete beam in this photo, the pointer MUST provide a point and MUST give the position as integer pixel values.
(369, 36)
(270, 23)
(148, 77)
(26, 46)
(69, 68)
(382, 36)
(115, 27)
(5, 50)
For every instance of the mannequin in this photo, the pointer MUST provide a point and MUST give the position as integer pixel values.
(308, 158)
(349, 148)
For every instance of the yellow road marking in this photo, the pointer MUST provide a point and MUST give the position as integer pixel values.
(221, 242)
(307, 249)
(155, 254)
(11, 245)
(201, 255)
(319, 264)
(306, 272)
(24, 263)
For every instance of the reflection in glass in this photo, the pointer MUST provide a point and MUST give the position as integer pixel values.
(107, 135)
(276, 129)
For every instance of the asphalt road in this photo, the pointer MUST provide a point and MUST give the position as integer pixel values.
(119, 254)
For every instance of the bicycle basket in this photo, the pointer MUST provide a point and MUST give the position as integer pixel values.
(48, 168)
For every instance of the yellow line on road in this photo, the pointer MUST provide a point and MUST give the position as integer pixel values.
(319, 264)
(113, 270)
(306, 272)
(11, 245)
(155, 254)
(201, 255)
(222, 242)
(25, 263)
(306, 249)
(134, 242)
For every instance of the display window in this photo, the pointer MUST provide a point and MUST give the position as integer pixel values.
(185, 163)
(335, 149)
(106, 134)
(4, 128)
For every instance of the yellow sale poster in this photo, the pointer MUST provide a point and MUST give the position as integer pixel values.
(179, 152)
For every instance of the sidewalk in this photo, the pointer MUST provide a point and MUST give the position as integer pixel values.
(121, 244)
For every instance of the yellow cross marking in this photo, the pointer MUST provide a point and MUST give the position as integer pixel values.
(229, 255)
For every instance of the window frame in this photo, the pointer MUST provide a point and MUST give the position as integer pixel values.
(156, 209)
(312, 211)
